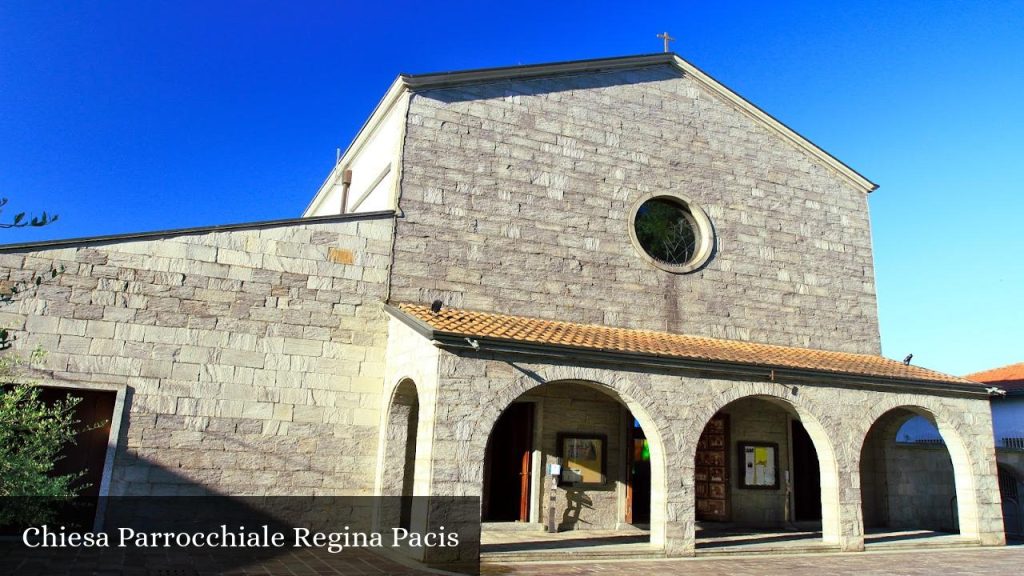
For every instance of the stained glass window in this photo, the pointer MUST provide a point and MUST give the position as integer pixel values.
(666, 231)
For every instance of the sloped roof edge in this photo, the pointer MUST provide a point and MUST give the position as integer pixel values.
(417, 82)
(454, 327)
(80, 241)
(1009, 378)
(448, 79)
(433, 80)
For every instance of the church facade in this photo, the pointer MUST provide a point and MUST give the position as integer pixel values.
(613, 279)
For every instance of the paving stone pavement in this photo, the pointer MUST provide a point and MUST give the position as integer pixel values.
(971, 561)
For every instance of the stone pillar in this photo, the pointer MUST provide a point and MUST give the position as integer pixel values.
(851, 523)
(979, 505)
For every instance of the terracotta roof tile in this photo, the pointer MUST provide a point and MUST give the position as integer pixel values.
(602, 338)
(1009, 378)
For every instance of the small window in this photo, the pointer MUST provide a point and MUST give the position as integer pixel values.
(672, 233)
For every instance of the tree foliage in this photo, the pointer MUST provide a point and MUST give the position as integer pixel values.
(32, 436)
(33, 433)
(20, 221)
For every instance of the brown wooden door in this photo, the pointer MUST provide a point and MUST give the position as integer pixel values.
(507, 479)
(94, 414)
(711, 470)
(524, 482)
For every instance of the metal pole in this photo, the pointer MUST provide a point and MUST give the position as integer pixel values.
(552, 500)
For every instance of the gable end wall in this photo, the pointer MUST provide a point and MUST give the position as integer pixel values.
(516, 196)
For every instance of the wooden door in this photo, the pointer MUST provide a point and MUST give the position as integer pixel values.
(711, 470)
(638, 473)
(524, 472)
(94, 414)
(507, 480)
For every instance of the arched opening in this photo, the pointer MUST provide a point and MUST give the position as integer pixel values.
(911, 474)
(507, 466)
(399, 461)
(1011, 489)
(765, 475)
(572, 463)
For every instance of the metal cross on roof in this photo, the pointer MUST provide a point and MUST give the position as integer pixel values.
(664, 36)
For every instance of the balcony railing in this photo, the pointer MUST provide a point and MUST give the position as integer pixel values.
(1013, 443)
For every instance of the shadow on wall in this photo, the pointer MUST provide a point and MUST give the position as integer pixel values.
(575, 502)
(166, 496)
(536, 86)
(176, 455)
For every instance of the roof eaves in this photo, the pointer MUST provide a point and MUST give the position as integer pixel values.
(171, 233)
(419, 326)
(766, 372)
(458, 340)
(446, 79)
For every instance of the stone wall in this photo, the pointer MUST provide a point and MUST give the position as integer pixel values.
(516, 196)
(253, 358)
(920, 487)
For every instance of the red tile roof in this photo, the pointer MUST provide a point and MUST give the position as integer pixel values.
(1009, 378)
(472, 324)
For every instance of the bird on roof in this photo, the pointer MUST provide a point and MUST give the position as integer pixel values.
(906, 361)
(435, 306)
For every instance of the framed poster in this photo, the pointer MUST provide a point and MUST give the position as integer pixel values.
(758, 465)
(584, 459)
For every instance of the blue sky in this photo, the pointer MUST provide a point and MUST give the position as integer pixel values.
(153, 115)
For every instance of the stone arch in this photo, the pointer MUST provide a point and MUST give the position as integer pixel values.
(950, 426)
(814, 420)
(396, 471)
(623, 387)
